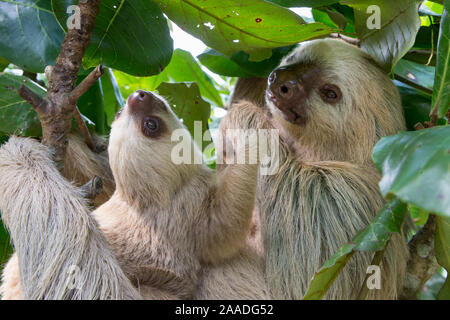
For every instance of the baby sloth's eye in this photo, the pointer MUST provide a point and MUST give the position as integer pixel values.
(150, 126)
(330, 93)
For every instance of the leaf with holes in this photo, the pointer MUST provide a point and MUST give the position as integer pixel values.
(441, 94)
(131, 36)
(390, 39)
(188, 105)
(30, 36)
(230, 26)
(415, 168)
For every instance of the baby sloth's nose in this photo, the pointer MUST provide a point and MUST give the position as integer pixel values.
(139, 97)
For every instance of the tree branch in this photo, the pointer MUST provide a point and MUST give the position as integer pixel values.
(61, 98)
(422, 263)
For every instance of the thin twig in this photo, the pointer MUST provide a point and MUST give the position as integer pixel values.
(84, 130)
(32, 98)
(86, 84)
(353, 41)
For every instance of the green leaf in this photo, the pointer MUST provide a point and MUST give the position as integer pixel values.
(113, 99)
(416, 105)
(188, 105)
(30, 36)
(303, 3)
(376, 235)
(399, 23)
(441, 93)
(417, 73)
(373, 238)
(418, 215)
(184, 68)
(442, 251)
(325, 277)
(230, 26)
(220, 64)
(91, 105)
(3, 64)
(415, 168)
(16, 115)
(131, 36)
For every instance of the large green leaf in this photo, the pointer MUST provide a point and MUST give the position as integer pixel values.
(30, 36)
(372, 238)
(399, 23)
(442, 251)
(441, 93)
(188, 105)
(16, 115)
(230, 26)
(415, 167)
(303, 3)
(131, 36)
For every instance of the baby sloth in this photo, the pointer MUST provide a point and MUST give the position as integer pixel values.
(169, 223)
(331, 104)
(177, 230)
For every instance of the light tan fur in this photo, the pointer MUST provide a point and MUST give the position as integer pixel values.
(177, 231)
(53, 232)
(81, 164)
(170, 223)
(326, 189)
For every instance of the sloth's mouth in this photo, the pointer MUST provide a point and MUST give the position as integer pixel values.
(291, 111)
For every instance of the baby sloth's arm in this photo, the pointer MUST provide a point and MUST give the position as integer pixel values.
(228, 210)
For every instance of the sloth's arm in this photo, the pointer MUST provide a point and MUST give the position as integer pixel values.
(61, 252)
(231, 201)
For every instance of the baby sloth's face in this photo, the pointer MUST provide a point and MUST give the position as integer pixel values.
(144, 124)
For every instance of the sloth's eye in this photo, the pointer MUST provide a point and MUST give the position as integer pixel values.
(150, 126)
(330, 93)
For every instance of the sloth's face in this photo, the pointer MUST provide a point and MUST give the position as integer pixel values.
(143, 128)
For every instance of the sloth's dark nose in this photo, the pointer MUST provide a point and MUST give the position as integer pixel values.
(138, 97)
(284, 85)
